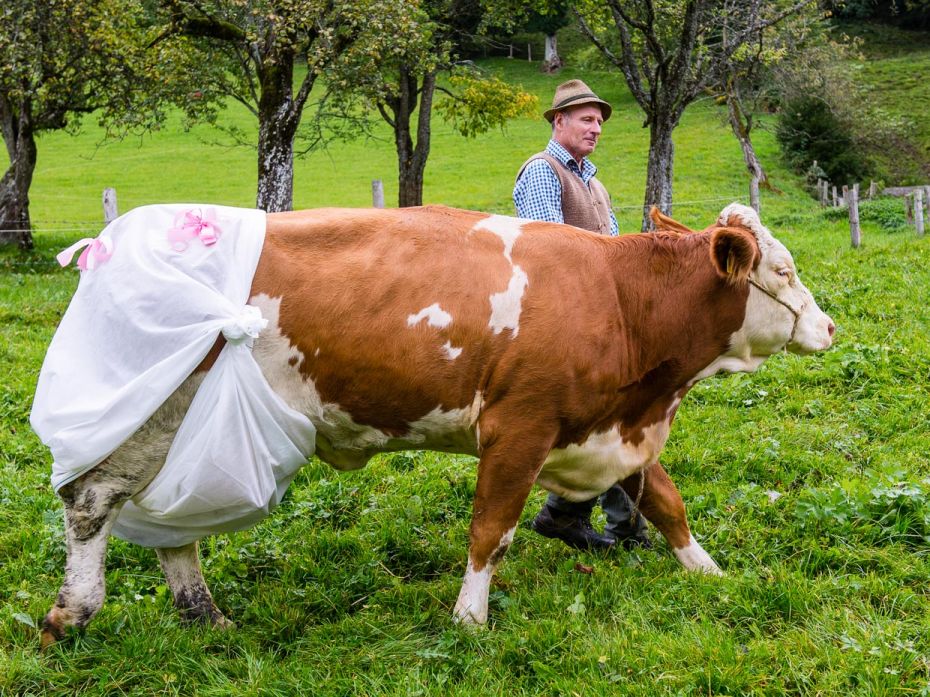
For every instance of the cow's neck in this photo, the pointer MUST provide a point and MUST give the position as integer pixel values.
(683, 315)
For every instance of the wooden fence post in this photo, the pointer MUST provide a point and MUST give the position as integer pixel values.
(835, 198)
(919, 211)
(853, 204)
(109, 206)
(845, 200)
(754, 192)
(873, 189)
(529, 53)
(511, 51)
(908, 209)
(824, 193)
(377, 193)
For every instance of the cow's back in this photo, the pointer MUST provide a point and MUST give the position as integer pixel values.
(386, 325)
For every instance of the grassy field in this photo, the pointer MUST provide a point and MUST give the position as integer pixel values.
(348, 588)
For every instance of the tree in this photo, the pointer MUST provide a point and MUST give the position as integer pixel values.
(670, 53)
(62, 59)
(402, 82)
(262, 43)
(548, 18)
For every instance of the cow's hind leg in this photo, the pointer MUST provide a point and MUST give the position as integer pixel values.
(511, 458)
(92, 504)
(181, 566)
(662, 505)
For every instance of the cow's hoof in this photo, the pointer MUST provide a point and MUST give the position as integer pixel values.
(52, 631)
(693, 557)
(223, 623)
(469, 617)
(209, 615)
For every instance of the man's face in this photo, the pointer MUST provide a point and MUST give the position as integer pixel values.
(578, 128)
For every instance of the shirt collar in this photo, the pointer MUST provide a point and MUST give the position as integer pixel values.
(587, 169)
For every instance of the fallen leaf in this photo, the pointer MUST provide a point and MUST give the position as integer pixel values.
(584, 568)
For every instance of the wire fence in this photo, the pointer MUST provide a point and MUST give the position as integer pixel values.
(86, 227)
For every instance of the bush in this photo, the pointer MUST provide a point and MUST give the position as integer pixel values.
(887, 213)
(809, 130)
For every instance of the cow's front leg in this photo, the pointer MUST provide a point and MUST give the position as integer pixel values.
(662, 505)
(511, 456)
(181, 566)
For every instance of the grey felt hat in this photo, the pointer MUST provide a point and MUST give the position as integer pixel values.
(575, 93)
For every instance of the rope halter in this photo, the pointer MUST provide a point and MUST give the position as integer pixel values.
(796, 313)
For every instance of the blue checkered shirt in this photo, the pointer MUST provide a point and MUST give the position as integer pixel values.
(538, 193)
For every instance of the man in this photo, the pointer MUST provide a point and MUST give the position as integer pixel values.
(559, 185)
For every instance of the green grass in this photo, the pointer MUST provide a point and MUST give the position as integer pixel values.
(348, 587)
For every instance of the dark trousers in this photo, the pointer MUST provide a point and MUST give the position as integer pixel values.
(618, 507)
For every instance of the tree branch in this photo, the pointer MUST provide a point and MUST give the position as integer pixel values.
(626, 63)
(205, 26)
(384, 114)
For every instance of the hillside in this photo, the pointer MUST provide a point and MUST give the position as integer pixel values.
(893, 77)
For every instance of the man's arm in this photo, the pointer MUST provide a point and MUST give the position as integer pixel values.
(538, 193)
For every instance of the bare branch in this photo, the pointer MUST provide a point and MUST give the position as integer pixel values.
(626, 63)
(385, 116)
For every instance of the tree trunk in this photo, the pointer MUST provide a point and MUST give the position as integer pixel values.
(278, 119)
(659, 172)
(275, 167)
(552, 61)
(411, 158)
(17, 128)
(741, 128)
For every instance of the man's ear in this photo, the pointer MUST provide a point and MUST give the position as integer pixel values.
(734, 252)
(663, 222)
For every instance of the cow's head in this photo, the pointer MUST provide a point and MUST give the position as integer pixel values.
(781, 313)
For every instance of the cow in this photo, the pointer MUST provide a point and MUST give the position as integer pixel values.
(556, 356)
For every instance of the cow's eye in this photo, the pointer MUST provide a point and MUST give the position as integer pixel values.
(784, 273)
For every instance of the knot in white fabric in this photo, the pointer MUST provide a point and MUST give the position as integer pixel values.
(247, 325)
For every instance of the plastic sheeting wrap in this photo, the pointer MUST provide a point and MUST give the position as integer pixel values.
(157, 287)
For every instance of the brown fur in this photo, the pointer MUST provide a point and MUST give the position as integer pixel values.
(663, 222)
(611, 329)
(735, 253)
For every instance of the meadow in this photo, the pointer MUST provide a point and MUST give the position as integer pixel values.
(808, 482)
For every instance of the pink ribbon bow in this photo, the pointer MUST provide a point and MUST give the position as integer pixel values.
(96, 251)
(189, 226)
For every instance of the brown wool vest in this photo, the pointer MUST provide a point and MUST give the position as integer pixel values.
(583, 206)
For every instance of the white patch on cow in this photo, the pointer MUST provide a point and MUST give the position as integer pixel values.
(340, 441)
(434, 315)
(729, 364)
(693, 557)
(768, 324)
(507, 228)
(472, 604)
(452, 352)
(582, 471)
(454, 431)
(507, 305)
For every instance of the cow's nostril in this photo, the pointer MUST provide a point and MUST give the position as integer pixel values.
(831, 328)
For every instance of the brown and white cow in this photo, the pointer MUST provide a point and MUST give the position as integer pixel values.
(557, 356)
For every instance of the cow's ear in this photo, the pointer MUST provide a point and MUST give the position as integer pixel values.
(663, 222)
(734, 252)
